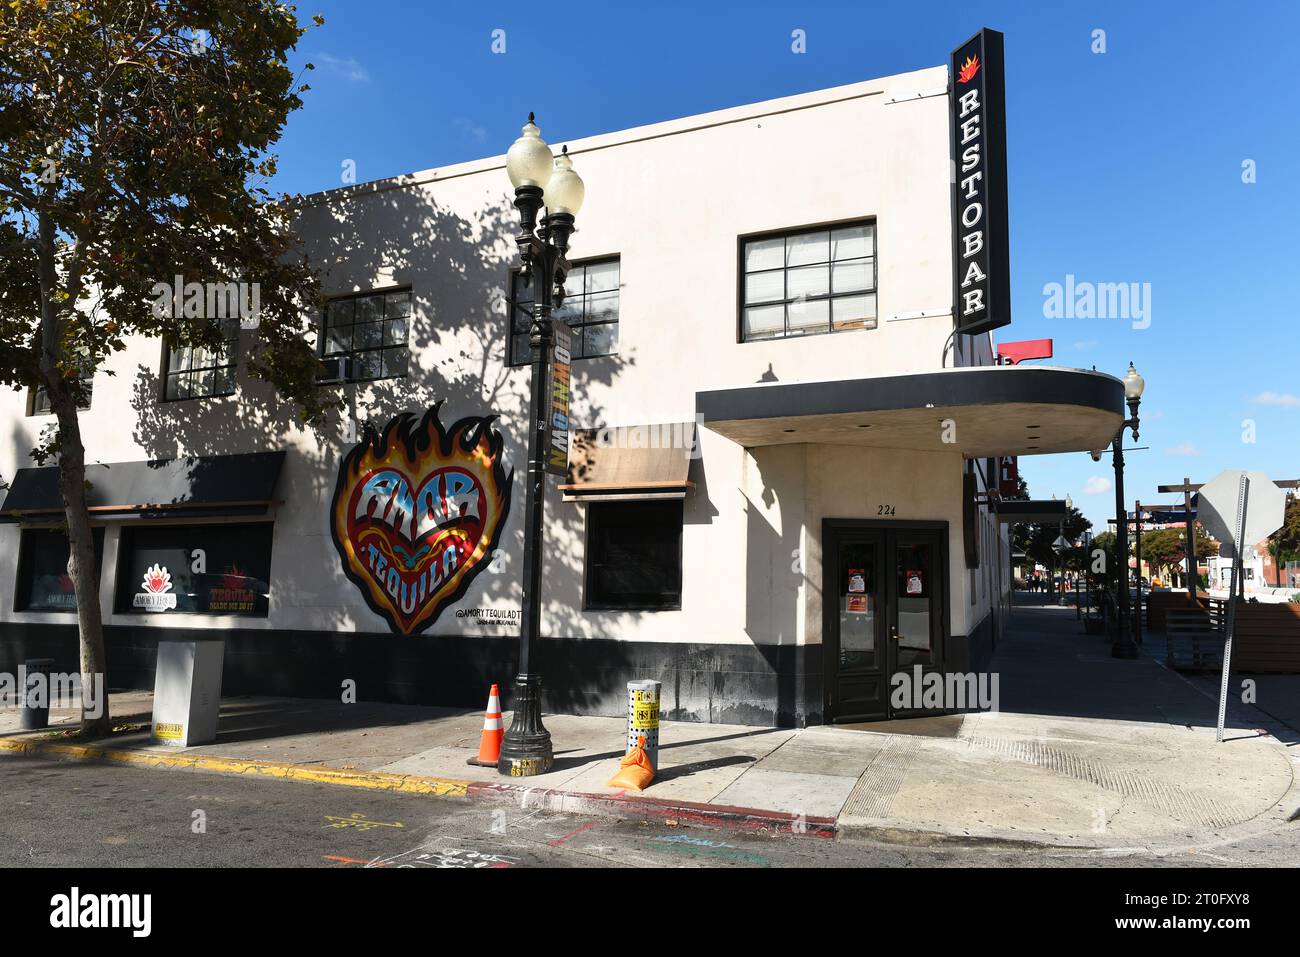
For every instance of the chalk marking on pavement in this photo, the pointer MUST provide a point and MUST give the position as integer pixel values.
(350, 860)
(574, 833)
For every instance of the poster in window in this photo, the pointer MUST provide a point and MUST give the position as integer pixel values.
(914, 583)
(856, 600)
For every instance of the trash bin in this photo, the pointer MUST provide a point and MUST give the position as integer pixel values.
(187, 691)
(34, 711)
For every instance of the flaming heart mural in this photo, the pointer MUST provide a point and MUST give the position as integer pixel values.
(417, 512)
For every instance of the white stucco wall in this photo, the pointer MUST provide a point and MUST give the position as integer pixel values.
(671, 201)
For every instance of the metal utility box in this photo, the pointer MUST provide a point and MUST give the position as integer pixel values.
(187, 691)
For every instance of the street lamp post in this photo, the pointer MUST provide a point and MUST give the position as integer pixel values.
(1137, 590)
(1123, 646)
(1069, 507)
(541, 180)
(1086, 538)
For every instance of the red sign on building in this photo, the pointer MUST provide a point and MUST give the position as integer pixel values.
(1008, 476)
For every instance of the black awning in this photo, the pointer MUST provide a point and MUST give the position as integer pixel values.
(202, 485)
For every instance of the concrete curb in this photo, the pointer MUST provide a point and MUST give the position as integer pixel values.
(636, 806)
(919, 837)
(554, 799)
(374, 780)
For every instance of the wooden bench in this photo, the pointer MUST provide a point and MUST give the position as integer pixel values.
(1194, 642)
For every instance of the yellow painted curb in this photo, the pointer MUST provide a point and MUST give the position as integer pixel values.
(374, 780)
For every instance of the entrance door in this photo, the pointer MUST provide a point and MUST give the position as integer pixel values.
(883, 608)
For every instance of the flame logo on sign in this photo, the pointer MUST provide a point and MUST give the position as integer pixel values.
(417, 512)
(233, 578)
(157, 580)
(969, 69)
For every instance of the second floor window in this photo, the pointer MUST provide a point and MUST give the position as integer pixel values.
(371, 331)
(590, 308)
(40, 399)
(198, 372)
(809, 282)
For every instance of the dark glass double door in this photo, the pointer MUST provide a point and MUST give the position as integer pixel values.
(883, 612)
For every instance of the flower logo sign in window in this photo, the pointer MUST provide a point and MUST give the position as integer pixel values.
(157, 594)
(418, 511)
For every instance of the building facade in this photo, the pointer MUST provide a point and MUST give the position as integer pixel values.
(783, 469)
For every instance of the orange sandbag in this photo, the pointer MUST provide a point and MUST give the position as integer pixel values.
(635, 771)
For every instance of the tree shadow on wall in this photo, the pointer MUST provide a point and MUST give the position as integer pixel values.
(458, 269)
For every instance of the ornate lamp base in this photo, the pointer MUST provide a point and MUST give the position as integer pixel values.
(526, 747)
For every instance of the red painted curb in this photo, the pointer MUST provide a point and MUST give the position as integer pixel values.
(625, 805)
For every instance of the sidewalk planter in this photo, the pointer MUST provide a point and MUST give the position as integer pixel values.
(1267, 639)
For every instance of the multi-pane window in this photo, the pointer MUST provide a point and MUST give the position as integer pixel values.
(812, 281)
(590, 308)
(200, 372)
(41, 398)
(371, 331)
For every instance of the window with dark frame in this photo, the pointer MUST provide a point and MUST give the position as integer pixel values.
(43, 583)
(371, 329)
(591, 294)
(634, 555)
(808, 282)
(198, 372)
(233, 577)
(41, 398)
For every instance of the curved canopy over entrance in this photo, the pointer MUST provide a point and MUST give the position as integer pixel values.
(981, 412)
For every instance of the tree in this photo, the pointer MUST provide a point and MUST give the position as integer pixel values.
(1284, 546)
(1108, 542)
(133, 137)
(1037, 540)
(1165, 549)
(1162, 548)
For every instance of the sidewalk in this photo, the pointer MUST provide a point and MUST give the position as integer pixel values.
(1088, 751)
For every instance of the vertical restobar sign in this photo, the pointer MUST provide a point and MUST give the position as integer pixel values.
(981, 260)
(556, 434)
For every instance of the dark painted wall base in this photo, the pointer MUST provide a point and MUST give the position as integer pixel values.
(972, 652)
(765, 686)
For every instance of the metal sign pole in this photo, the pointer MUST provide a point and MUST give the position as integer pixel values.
(1243, 490)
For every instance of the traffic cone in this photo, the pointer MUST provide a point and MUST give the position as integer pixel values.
(489, 748)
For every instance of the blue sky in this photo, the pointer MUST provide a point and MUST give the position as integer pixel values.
(1125, 166)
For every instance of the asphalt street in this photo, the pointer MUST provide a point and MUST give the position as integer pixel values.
(77, 813)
